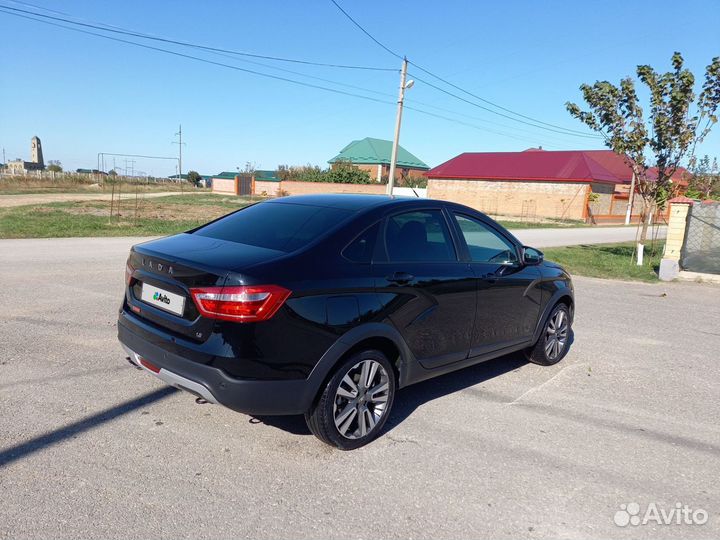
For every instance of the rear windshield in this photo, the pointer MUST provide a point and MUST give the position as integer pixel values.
(283, 227)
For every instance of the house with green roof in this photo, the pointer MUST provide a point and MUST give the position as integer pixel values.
(266, 176)
(373, 155)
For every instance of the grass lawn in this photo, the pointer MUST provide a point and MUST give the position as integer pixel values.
(154, 217)
(23, 185)
(612, 261)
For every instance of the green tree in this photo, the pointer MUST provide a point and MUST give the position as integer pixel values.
(112, 172)
(346, 173)
(675, 124)
(54, 166)
(194, 178)
(705, 182)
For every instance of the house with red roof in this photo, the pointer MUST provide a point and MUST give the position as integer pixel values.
(592, 185)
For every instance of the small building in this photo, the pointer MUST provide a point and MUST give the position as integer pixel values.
(373, 155)
(36, 162)
(571, 185)
(232, 183)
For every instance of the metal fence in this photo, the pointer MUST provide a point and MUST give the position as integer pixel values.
(701, 249)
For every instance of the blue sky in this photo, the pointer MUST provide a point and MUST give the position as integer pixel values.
(83, 95)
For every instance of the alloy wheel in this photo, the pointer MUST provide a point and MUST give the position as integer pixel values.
(556, 334)
(361, 399)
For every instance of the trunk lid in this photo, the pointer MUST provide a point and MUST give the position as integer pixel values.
(175, 265)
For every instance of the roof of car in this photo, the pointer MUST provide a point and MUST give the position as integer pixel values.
(347, 201)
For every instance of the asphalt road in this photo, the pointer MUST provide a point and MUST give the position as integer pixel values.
(90, 447)
(581, 235)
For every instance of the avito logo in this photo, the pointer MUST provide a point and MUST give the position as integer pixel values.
(161, 298)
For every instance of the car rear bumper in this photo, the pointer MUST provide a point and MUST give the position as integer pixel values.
(249, 396)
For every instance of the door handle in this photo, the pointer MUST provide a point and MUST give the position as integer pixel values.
(401, 278)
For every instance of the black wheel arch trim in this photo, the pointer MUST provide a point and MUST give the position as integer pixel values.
(351, 339)
(550, 305)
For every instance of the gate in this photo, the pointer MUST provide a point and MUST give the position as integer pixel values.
(244, 184)
(701, 249)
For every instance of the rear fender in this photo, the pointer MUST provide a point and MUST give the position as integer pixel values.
(349, 340)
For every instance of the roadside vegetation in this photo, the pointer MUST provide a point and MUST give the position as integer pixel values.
(341, 173)
(144, 217)
(86, 183)
(610, 261)
(658, 137)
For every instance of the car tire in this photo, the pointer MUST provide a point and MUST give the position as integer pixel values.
(355, 403)
(554, 341)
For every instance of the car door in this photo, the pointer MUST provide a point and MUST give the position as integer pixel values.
(509, 299)
(430, 294)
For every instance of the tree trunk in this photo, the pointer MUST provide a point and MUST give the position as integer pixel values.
(646, 222)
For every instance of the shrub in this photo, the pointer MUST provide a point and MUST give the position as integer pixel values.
(342, 173)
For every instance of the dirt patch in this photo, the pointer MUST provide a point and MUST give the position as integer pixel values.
(149, 210)
(7, 201)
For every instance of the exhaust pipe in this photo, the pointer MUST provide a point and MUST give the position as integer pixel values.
(133, 364)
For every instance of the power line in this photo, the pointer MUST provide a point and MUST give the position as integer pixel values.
(546, 136)
(474, 126)
(368, 34)
(199, 59)
(284, 79)
(214, 51)
(537, 123)
(118, 30)
(495, 104)
(438, 88)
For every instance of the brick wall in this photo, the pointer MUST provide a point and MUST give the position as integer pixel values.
(514, 198)
(223, 185)
(269, 188)
(307, 188)
(676, 231)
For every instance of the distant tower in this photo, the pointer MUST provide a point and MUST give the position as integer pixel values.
(36, 155)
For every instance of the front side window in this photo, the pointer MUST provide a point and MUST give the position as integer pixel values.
(420, 236)
(484, 244)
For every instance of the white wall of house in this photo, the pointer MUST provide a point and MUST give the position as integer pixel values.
(410, 192)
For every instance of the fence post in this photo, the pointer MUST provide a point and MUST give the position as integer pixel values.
(677, 228)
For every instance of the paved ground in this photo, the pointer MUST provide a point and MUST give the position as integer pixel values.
(7, 201)
(90, 447)
(580, 235)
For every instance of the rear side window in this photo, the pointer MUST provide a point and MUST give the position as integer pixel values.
(419, 237)
(278, 226)
(362, 248)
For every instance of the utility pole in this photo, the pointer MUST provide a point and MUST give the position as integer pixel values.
(180, 145)
(398, 120)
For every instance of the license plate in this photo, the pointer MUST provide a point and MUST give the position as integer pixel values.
(160, 298)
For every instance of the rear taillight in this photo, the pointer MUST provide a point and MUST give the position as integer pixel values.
(252, 303)
(128, 273)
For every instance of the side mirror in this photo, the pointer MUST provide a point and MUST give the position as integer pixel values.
(532, 256)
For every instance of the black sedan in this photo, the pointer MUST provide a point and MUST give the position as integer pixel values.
(326, 305)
